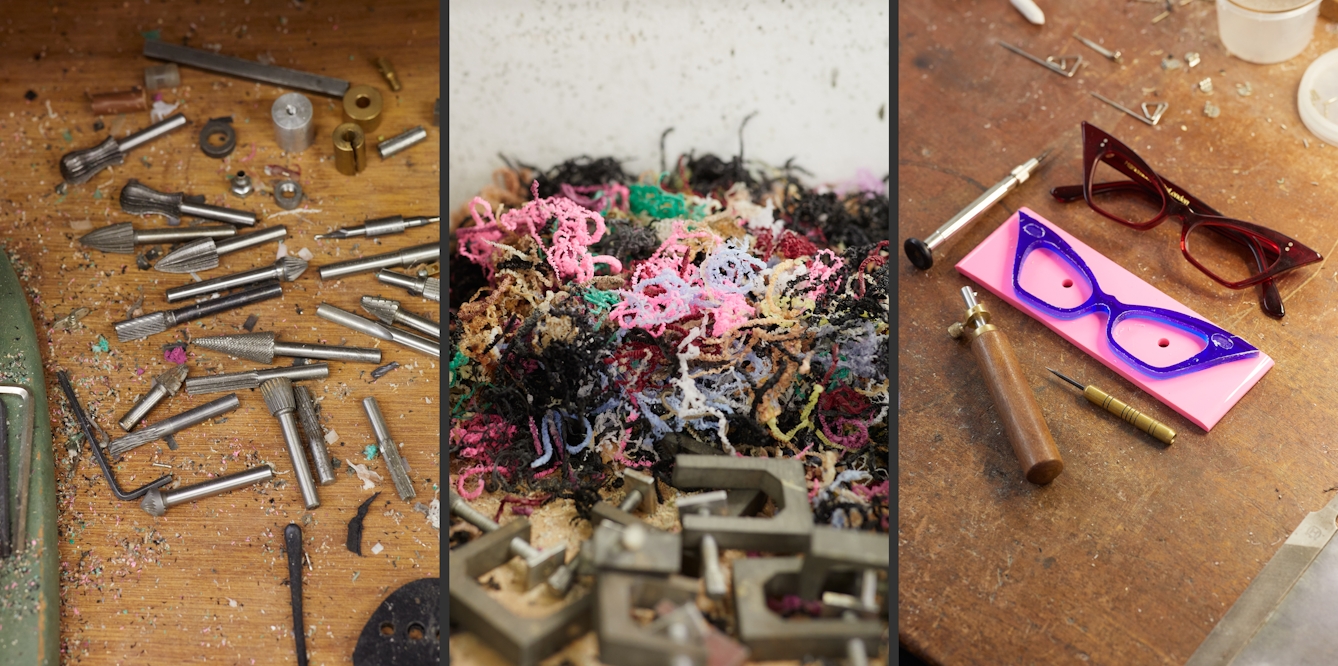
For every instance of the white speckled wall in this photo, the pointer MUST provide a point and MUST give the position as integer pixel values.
(545, 80)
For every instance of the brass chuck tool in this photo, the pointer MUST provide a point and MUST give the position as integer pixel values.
(1022, 419)
(1108, 402)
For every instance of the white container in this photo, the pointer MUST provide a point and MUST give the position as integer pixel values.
(1266, 31)
(1317, 98)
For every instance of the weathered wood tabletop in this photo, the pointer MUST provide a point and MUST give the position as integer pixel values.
(1137, 550)
(207, 583)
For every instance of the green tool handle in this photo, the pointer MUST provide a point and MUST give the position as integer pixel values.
(1139, 420)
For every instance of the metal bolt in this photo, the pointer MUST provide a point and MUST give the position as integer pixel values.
(241, 185)
(642, 493)
(539, 563)
(707, 504)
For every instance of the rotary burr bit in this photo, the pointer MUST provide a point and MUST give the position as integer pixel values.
(79, 166)
(165, 384)
(249, 379)
(157, 322)
(286, 269)
(278, 395)
(399, 470)
(379, 331)
(140, 199)
(262, 348)
(381, 226)
(427, 287)
(173, 424)
(311, 427)
(122, 238)
(203, 254)
(389, 312)
(156, 502)
(407, 257)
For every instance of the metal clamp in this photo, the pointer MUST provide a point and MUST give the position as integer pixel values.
(622, 642)
(771, 637)
(635, 548)
(788, 531)
(840, 550)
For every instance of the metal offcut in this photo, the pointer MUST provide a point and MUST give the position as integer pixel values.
(409, 256)
(381, 226)
(399, 470)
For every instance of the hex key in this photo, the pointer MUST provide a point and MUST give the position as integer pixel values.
(86, 425)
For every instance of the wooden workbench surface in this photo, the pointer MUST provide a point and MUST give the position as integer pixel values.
(207, 583)
(1136, 551)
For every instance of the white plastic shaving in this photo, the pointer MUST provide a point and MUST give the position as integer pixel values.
(366, 475)
(161, 110)
(305, 254)
(376, 550)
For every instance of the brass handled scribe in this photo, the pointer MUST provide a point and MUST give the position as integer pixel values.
(1108, 402)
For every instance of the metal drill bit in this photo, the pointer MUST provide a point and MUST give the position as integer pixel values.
(406, 257)
(286, 269)
(249, 379)
(427, 287)
(311, 427)
(278, 395)
(156, 502)
(399, 470)
(79, 166)
(164, 385)
(203, 254)
(140, 199)
(381, 226)
(150, 324)
(173, 424)
(389, 312)
(261, 347)
(379, 331)
(122, 238)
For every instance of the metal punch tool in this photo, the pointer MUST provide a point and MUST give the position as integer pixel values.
(19, 540)
(167, 383)
(140, 199)
(156, 502)
(1065, 66)
(427, 287)
(157, 322)
(382, 226)
(399, 470)
(98, 440)
(311, 427)
(81, 165)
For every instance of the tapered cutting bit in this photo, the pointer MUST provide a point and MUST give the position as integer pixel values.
(140, 199)
(249, 379)
(286, 269)
(79, 166)
(311, 427)
(203, 254)
(122, 238)
(173, 424)
(262, 348)
(150, 324)
(390, 312)
(278, 395)
(407, 257)
(156, 502)
(427, 287)
(379, 331)
(382, 226)
(399, 470)
(165, 384)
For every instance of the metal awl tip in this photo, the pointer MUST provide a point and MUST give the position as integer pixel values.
(1068, 379)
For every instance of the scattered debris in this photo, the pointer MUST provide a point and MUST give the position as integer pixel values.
(384, 370)
(354, 542)
(1206, 85)
(370, 451)
(250, 324)
(377, 548)
(366, 475)
(30, 95)
(1211, 110)
(1244, 89)
(1192, 59)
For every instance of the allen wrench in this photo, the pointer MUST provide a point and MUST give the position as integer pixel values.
(88, 426)
(1060, 66)
(20, 536)
(1149, 116)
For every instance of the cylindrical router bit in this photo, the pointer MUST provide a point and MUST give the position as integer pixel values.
(399, 142)
(379, 331)
(157, 322)
(203, 254)
(390, 312)
(286, 269)
(407, 257)
(362, 106)
(294, 129)
(399, 470)
(122, 238)
(427, 287)
(278, 395)
(382, 226)
(140, 199)
(249, 379)
(173, 424)
(79, 166)
(261, 347)
(165, 384)
(157, 502)
(350, 147)
(311, 427)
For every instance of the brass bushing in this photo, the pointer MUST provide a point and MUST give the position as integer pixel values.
(350, 148)
(362, 105)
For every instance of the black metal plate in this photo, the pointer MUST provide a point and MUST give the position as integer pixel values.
(403, 631)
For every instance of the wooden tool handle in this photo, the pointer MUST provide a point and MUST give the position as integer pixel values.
(1013, 397)
(1139, 420)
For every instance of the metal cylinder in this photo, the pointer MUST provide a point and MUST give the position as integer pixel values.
(240, 217)
(179, 234)
(294, 129)
(422, 324)
(406, 257)
(311, 427)
(257, 237)
(350, 147)
(711, 573)
(249, 379)
(150, 400)
(381, 332)
(161, 76)
(327, 352)
(399, 471)
(398, 143)
(157, 502)
(362, 105)
(278, 270)
(151, 132)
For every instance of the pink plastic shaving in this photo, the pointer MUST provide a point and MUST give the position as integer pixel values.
(175, 355)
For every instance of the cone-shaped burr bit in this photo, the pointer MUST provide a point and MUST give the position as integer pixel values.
(406, 257)
(286, 269)
(249, 379)
(140, 199)
(379, 331)
(173, 424)
(399, 471)
(203, 254)
(150, 324)
(79, 166)
(165, 384)
(427, 287)
(122, 238)
(395, 224)
(311, 427)
(156, 502)
(262, 348)
(278, 395)
(390, 312)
